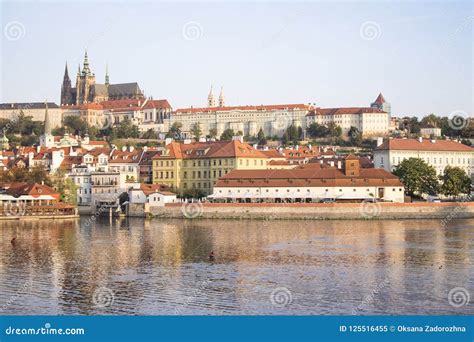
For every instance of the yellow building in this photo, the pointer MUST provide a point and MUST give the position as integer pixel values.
(199, 165)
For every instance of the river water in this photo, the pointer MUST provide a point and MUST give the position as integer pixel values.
(162, 267)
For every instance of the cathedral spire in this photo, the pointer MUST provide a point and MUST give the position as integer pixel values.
(47, 120)
(79, 69)
(85, 69)
(221, 98)
(211, 102)
(107, 74)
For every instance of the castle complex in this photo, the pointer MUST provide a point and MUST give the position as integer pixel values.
(87, 90)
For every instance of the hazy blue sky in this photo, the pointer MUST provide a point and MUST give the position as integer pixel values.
(421, 57)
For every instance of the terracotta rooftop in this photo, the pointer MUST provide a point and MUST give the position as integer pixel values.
(424, 145)
(307, 177)
(243, 108)
(217, 149)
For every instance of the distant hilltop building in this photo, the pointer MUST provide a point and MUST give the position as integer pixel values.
(87, 90)
(381, 104)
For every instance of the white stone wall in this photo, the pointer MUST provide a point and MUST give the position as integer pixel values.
(55, 114)
(438, 159)
(394, 194)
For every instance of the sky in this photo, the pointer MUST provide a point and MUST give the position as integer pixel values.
(333, 54)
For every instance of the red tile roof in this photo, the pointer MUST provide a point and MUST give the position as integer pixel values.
(32, 189)
(217, 149)
(160, 104)
(307, 177)
(343, 110)
(243, 108)
(424, 145)
(380, 99)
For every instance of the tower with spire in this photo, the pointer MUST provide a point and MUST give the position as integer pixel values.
(211, 101)
(381, 104)
(84, 83)
(66, 90)
(107, 80)
(221, 98)
(47, 139)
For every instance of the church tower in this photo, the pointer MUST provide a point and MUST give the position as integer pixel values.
(107, 80)
(211, 102)
(221, 98)
(66, 92)
(84, 82)
(47, 139)
(381, 104)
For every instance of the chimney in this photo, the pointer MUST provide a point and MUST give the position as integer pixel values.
(124, 148)
(379, 141)
(339, 164)
(420, 139)
(332, 163)
(131, 148)
(433, 141)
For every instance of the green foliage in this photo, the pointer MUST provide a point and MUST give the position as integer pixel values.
(192, 193)
(35, 174)
(227, 134)
(455, 181)
(75, 125)
(213, 133)
(124, 130)
(175, 130)
(293, 134)
(150, 134)
(66, 188)
(418, 177)
(196, 131)
(261, 137)
(355, 136)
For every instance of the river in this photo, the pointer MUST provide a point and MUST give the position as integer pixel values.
(162, 267)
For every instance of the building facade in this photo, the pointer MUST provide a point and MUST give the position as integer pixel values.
(437, 153)
(197, 166)
(87, 90)
(311, 183)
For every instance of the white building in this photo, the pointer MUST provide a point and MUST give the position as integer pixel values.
(437, 153)
(430, 131)
(36, 110)
(272, 119)
(310, 183)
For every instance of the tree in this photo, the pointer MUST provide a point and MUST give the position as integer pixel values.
(150, 134)
(66, 187)
(196, 131)
(316, 130)
(76, 125)
(227, 134)
(261, 137)
(126, 129)
(418, 177)
(213, 133)
(285, 138)
(292, 132)
(175, 130)
(355, 136)
(455, 181)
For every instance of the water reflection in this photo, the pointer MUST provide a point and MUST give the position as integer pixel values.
(162, 266)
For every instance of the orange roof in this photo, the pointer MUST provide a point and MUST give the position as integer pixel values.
(119, 156)
(424, 145)
(32, 189)
(307, 177)
(380, 99)
(151, 188)
(216, 149)
(162, 104)
(243, 108)
(343, 110)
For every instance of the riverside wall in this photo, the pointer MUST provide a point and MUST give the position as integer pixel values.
(316, 211)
